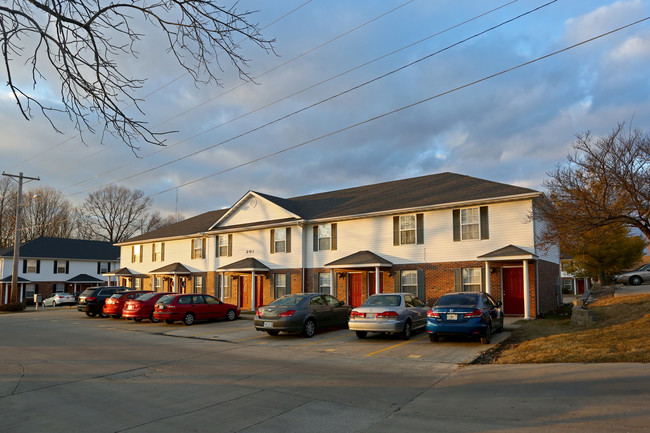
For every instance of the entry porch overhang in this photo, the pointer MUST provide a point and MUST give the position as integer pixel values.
(248, 264)
(84, 279)
(506, 254)
(125, 272)
(172, 269)
(360, 259)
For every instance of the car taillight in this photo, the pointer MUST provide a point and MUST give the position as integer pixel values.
(473, 314)
(431, 313)
(287, 313)
(387, 315)
(357, 314)
(91, 298)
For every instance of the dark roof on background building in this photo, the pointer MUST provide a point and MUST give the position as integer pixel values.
(59, 248)
(417, 192)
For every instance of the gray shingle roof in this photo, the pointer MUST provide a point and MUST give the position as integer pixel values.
(72, 249)
(190, 226)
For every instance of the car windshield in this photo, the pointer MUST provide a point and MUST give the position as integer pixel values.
(458, 300)
(383, 300)
(287, 301)
(146, 296)
(166, 300)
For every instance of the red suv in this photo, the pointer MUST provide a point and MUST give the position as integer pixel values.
(142, 307)
(192, 307)
(114, 305)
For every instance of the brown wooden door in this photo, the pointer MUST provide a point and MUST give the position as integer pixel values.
(513, 291)
(244, 292)
(259, 291)
(356, 286)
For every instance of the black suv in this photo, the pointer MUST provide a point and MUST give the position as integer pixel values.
(92, 300)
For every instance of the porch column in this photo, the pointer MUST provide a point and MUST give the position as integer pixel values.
(488, 286)
(333, 285)
(526, 292)
(176, 288)
(253, 290)
(377, 276)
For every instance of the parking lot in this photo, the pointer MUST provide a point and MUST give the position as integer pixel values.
(332, 341)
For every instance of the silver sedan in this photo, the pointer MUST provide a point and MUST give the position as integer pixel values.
(391, 313)
(56, 299)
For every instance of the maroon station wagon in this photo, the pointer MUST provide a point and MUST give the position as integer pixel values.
(142, 307)
(192, 307)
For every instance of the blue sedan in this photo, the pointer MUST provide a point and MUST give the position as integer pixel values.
(474, 314)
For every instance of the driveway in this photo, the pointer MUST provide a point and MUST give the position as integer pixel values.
(623, 290)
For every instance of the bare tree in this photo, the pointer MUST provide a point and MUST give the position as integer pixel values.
(46, 213)
(76, 44)
(154, 221)
(7, 211)
(113, 214)
(606, 183)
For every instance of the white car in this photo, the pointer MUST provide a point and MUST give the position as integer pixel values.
(56, 299)
(634, 277)
(390, 313)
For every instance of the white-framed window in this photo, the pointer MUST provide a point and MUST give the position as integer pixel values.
(158, 283)
(227, 286)
(324, 282)
(103, 267)
(59, 288)
(199, 284)
(325, 237)
(137, 283)
(279, 241)
(136, 254)
(224, 245)
(471, 279)
(409, 282)
(280, 285)
(60, 267)
(407, 229)
(158, 253)
(32, 266)
(198, 248)
(470, 223)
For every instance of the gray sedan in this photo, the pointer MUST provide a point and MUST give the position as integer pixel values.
(391, 313)
(302, 312)
(634, 277)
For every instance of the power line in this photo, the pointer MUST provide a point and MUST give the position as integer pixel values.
(295, 93)
(322, 101)
(406, 107)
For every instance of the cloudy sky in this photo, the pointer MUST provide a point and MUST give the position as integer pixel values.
(360, 92)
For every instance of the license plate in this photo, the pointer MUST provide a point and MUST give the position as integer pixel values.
(268, 324)
(452, 316)
(370, 315)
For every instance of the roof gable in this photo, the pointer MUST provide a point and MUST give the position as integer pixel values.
(255, 208)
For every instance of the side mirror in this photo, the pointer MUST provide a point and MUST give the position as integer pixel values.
(341, 302)
(426, 304)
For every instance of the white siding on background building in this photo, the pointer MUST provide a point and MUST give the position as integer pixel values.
(253, 210)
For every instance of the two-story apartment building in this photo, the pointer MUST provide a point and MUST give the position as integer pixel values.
(48, 265)
(427, 235)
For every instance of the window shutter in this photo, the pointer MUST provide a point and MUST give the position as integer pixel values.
(38, 266)
(315, 238)
(67, 266)
(99, 267)
(153, 252)
(55, 263)
(141, 253)
(398, 281)
(421, 293)
(419, 224)
(132, 253)
(316, 288)
(272, 241)
(25, 266)
(216, 254)
(334, 236)
(288, 240)
(192, 249)
(395, 230)
(109, 266)
(483, 279)
(203, 248)
(229, 245)
(485, 226)
(162, 252)
(458, 280)
(456, 224)
(287, 284)
(272, 284)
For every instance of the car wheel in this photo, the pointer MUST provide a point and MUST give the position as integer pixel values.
(273, 333)
(90, 314)
(231, 315)
(635, 280)
(54, 303)
(362, 334)
(169, 321)
(406, 334)
(487, 337)
(309, 329)
(153, 319)
(103, 315)
(434, 338)
(137, 319)
(188, 319)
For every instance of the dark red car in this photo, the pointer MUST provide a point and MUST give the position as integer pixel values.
(114, 305)
(192, 307)
(142, 307)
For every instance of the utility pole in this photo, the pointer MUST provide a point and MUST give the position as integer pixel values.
(13, 291)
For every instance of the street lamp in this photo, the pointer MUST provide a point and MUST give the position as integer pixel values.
(13, 291)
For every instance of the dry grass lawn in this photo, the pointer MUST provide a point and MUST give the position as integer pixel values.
(622, 334)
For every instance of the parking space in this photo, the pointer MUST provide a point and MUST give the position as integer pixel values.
(341, 342)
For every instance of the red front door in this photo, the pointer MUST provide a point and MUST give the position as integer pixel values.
(356, 284)
(513, 291)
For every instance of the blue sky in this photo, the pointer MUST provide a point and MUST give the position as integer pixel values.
(512, 128)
